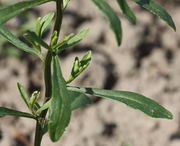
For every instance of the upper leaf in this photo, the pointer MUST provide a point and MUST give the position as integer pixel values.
(60, 106)
(79, 66)
(43, 23)
(113, 19)
(6, 111)
(15, 9)
(131, 99)
(71, 40)
(156, 9)
(24, 94)
(35, 39)
(15, 41)
(127, 11)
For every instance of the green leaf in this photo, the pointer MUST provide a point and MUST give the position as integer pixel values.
(44, 107)
(33, 104)
(43, 23)
(54, 40)
(24, 94)
(127, 11)
(30, 39)
(65, 3)
(78, 100)
(131, 99)
(71, 40)
(156, 9)
(19, 44)
(10, 112)
(79, 66)
(32, 36)
(113, 19)
(15, 9)
(60, 107)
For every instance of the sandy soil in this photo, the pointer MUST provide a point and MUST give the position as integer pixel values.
(146, 62)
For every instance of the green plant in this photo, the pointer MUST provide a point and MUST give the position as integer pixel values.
(61, 98)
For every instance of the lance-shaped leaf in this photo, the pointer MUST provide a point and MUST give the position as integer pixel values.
(131, 99)
(71, 40)
(15, 41)
(43, 23)
(127, 11)
(32, 37)
(60, 107)
(157, 10)
(15, 9)
(24, 94)
(113, 19)
(10, 112)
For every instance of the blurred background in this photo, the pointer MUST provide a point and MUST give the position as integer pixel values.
(147, 62)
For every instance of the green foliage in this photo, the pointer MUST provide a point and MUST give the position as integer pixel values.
(127, 11)
(60, 107)
(113, 19)
(43, 23)
(13, 10)
(131, 99)
(115, 23)
(156, 9)
(60, 100)
(15, 41)
(23, 94)
(71, 40)
(78, 100)
(10, 112)
(79, 66)
(35, 40)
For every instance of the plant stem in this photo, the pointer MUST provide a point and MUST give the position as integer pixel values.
(38, 134)
(59, 16)
(47, 76)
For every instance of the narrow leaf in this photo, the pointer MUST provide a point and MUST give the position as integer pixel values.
(156, 9)
(131, 99)
(79, 66)
(44, 107)
(71, 40)
(10, 112)
(127, 11)
(113, 19)
(15, 41)
(33, 36)
(78, 100)
(24, 94)
(60, 107)
(15, 9)
(43, 23)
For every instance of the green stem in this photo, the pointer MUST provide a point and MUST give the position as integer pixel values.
(47, 76)
(59, 16)
(38, 135)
